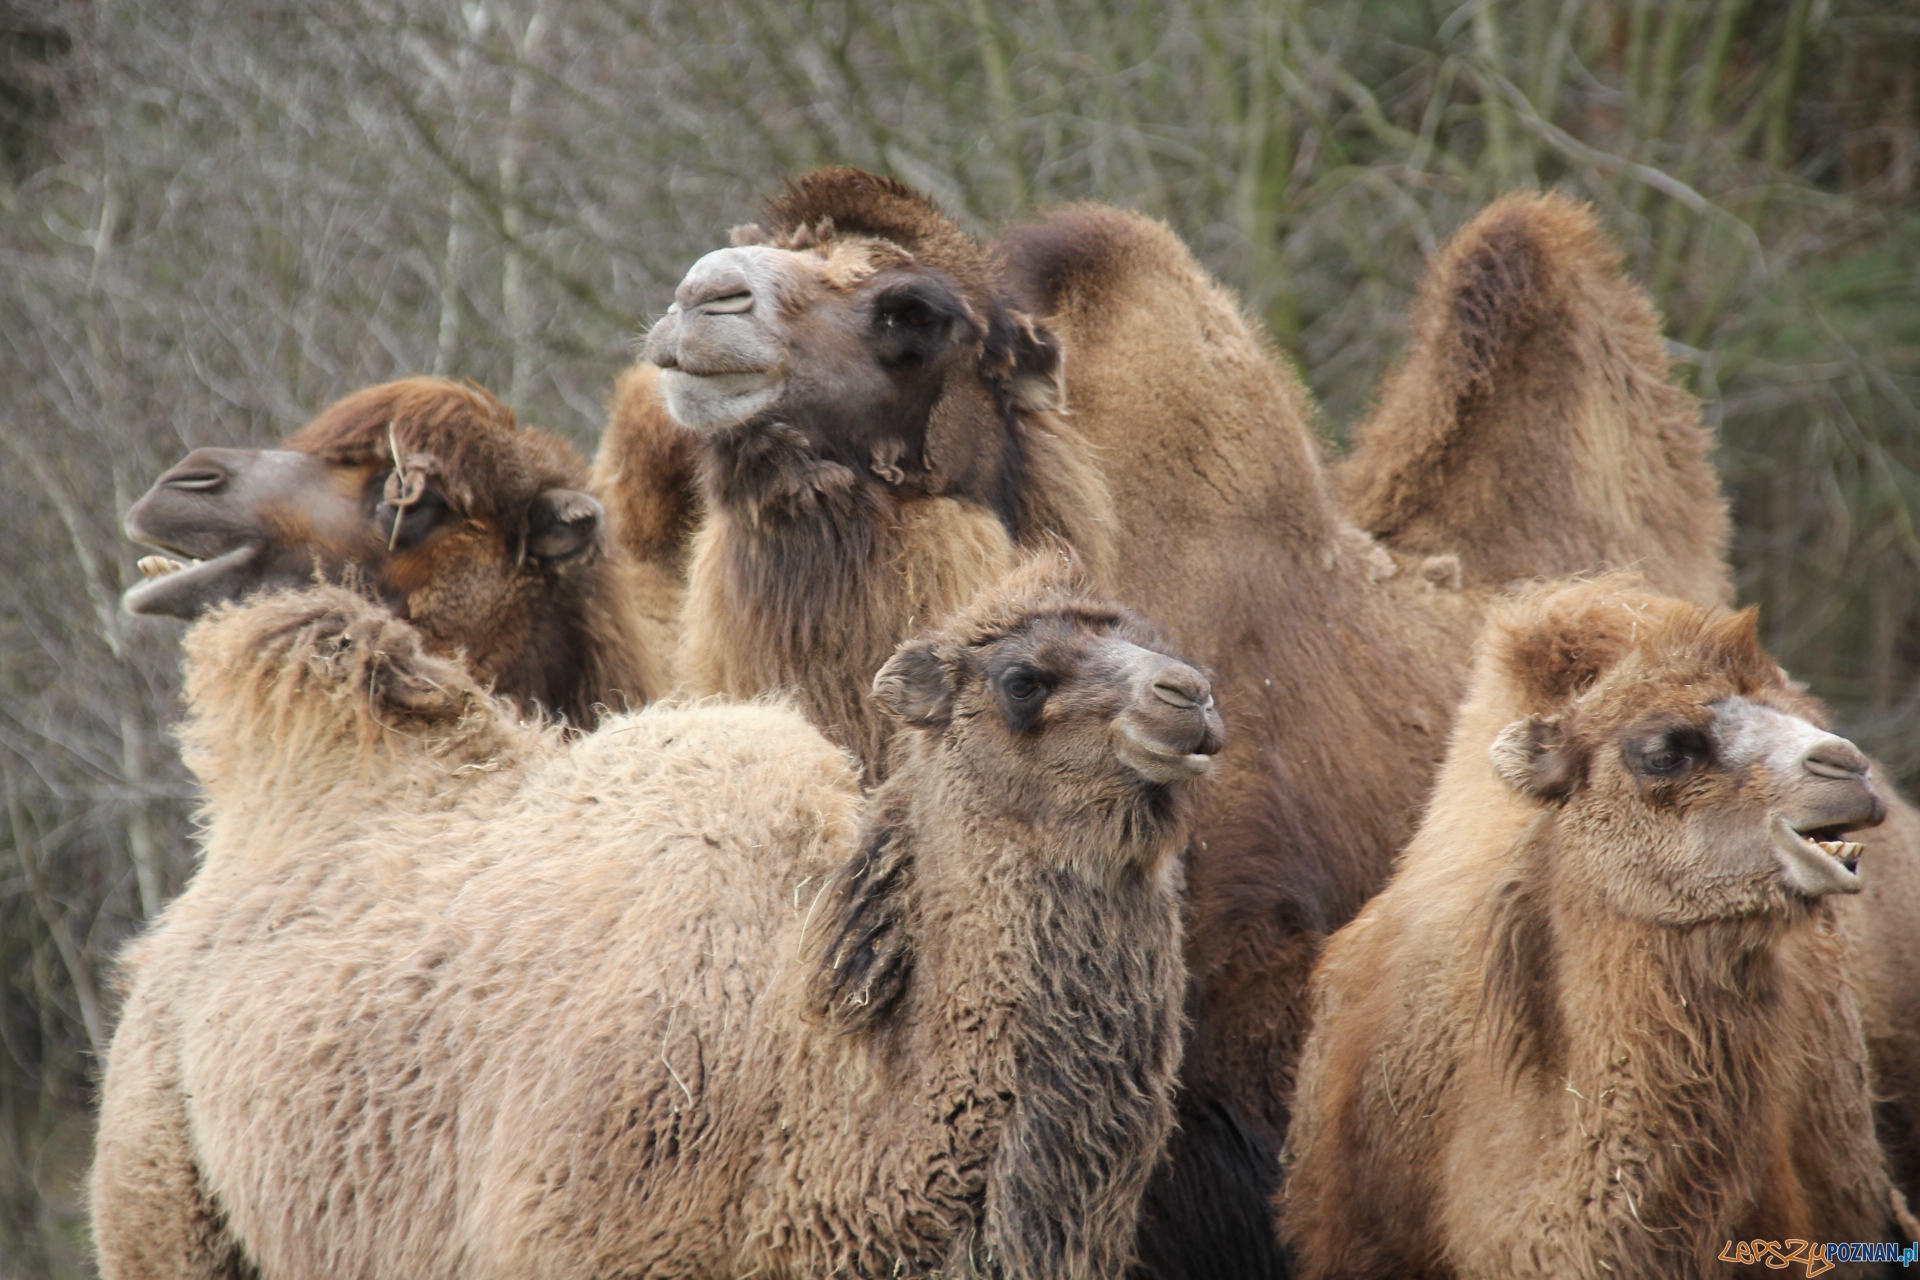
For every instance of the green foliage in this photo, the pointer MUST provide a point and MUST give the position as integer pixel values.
(216, 218)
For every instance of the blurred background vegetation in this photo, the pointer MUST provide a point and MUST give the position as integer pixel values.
(217, 215)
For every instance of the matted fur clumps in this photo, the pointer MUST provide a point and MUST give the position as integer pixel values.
(453, 997)
(1576, 1036)
(1532, 427)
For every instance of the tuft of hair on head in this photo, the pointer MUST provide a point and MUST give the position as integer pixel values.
(1050, 580)
(843, 201)
(1560, 642)
(472, 442)
(1556, 639)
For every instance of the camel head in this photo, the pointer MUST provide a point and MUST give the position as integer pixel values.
(864, 319)
(1685, 779)
(1058, 705)
(432, 497)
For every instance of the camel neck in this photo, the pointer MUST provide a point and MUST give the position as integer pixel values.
(1064, 989)
(1682, 1047)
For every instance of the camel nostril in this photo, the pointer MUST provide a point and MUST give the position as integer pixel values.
(1182, 686)
(199, 479)
(723, 293)
(1835, 758)
(731, 304)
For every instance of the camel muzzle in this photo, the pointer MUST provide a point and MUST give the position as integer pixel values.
(1172, 730)
(722, 356)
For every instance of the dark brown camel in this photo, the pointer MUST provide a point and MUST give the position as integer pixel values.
(482, 536)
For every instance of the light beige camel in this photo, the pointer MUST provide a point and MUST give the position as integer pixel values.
(455, 996)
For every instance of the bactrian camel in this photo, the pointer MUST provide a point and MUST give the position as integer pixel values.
(453, 994)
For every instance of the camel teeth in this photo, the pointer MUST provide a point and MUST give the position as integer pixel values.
(158, 566)
(1842, 849)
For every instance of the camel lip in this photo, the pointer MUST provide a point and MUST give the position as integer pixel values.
(1156, 761)
(1814, 868)
(712, 401)
(192, 588)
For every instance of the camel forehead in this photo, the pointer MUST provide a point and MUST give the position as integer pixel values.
(1750, 732)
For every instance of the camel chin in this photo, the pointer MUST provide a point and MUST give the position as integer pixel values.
(712, 402)
(1157, 761)
(173, 589)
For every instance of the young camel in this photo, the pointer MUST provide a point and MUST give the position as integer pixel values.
(481, 536)
(670, 998)
(1601, 1022)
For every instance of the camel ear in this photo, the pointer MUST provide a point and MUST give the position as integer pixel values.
(1039, 382)
(1534, 757)
(915, 686)
(562, 523)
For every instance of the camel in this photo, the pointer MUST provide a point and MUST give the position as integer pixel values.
(482, 537)
(456, 995)
(888, 410)
(833, 531)
(1449, 461)
(1602, 1022)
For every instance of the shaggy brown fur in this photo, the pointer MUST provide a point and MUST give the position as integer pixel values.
(453, 996)
(1589, 1029)
(644, 471)
(1532, 428)
(1340, 660)
(481, 537)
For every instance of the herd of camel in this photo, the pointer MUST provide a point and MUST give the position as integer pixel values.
(960, 786)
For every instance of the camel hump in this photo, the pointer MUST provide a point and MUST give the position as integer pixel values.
(1168, 377)
(1075, 257)
(1532, 425)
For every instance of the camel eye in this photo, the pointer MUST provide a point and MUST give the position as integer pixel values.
(408, 526)
(908, 310)
(1021, 685)
(1675, 753)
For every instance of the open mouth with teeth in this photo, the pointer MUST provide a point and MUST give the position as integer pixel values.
(1828, 841)
(1818, 860)
(183, 588)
